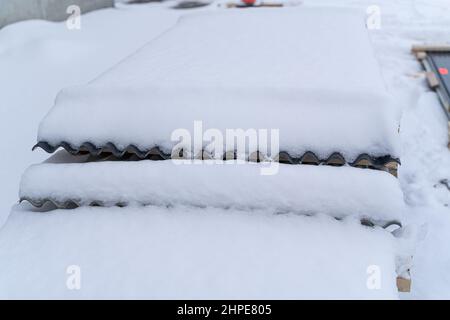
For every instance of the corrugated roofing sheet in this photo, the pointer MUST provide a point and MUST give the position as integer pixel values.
(385, 163)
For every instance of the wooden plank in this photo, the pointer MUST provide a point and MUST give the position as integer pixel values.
(392, 168)
(448, 144)
(264, 4)
(431, 48)
(403, 284)
(433, 81)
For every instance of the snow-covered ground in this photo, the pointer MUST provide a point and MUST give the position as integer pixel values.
(203, 252)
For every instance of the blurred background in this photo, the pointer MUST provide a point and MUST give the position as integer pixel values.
(54, 10)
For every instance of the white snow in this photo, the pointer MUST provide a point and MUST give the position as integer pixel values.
(39, 58)
(127, 252)
(313, 76)
(339, 192)
(184, 252)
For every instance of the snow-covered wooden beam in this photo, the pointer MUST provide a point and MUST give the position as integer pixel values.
(435, 61)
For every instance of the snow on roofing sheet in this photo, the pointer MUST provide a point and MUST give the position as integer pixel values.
(192, 253)
(336, 191)
(309, 72)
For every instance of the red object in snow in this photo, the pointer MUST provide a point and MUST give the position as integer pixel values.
(249, 2)
(443, 71)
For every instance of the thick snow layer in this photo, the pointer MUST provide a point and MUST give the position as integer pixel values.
(309, 72)
(185, 252)
(425, 156)
(39, 58)
(336, 191)
(431, 255)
